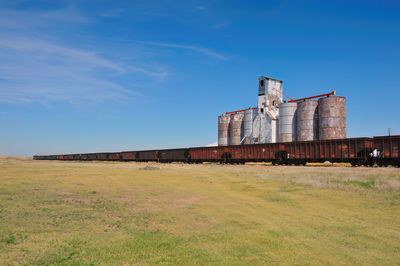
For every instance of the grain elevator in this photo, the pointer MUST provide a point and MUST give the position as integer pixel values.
(319, 117)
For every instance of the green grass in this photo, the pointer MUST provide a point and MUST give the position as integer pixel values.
(76, 213)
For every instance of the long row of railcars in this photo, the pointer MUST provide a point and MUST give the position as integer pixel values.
(382, 151)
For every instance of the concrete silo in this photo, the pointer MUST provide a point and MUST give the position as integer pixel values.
(235, 128)
(287, 122)
(248, 120)
(332, 118)
(307, 120)
(223, 127)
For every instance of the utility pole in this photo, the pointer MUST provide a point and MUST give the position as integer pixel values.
(389, 131)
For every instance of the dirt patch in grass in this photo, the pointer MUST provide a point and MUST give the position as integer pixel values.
(148, 167)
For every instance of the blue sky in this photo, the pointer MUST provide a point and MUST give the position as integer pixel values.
(86, 76)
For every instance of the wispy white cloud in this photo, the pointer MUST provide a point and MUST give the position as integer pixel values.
(201, 50)
(40, 47)
(22, 19)
(36, 68)
(39, 64)
(39, 71)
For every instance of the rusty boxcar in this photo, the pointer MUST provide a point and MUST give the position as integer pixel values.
(388, 148)
(103, 156)
(255, 152)
(352, 150)
(174, 155)
(114, 156)
(148, 156)
(128, 155)
(382, 151)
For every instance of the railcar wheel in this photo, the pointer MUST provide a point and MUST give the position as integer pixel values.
(226, 158)
(370, 164)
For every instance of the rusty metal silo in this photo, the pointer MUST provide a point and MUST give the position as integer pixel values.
(307, 120)
(235, 128)
(223, 126)
(248, 119)
(287, 122)
(332, 117)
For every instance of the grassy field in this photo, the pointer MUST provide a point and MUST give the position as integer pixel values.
(79, 213)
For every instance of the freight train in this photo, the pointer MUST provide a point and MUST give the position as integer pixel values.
(381, 151)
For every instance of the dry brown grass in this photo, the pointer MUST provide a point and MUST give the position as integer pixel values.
(112, 213)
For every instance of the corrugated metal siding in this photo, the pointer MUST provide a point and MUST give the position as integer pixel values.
(207, 153)
(128, 155)
(174, 155)
(388, 145)
(329, 150)
(148, 155)
(114, 156)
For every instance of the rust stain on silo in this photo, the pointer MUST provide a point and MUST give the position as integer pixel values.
(307, 121)
(332, 118)
(223, 127)
(235, 129)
